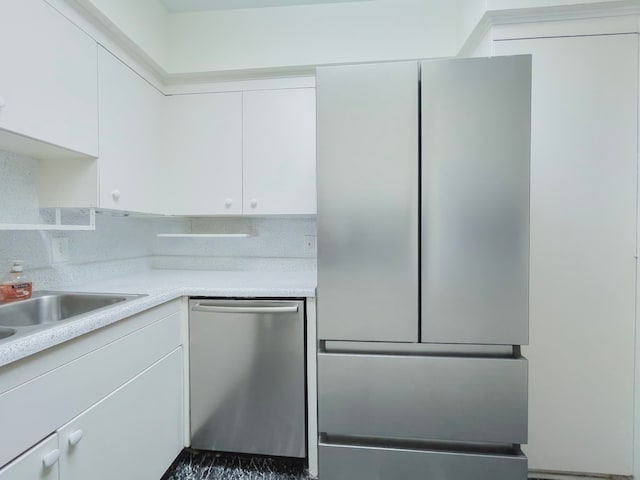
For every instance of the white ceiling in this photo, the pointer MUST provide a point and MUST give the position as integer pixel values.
(176, 6)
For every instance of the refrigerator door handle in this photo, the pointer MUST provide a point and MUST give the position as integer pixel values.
(203, 307)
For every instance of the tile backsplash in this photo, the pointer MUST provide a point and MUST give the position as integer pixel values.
(268, 237)
(124, 243)
(18, 197)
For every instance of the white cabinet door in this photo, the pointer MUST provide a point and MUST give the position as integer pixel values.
(202, 158)
(239, 153)
(134, 433)
(279, 152)
(130, 116)
(583, 233)
(40, 462)
(48, 77)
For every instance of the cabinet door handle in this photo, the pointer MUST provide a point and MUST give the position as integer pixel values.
(75, 437)
(254, 202)
(115, 194)
(228, 202)
(50, 459)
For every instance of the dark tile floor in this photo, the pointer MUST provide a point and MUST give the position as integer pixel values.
(197, 465)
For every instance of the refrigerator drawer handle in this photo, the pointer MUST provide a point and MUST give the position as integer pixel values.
(198, 307)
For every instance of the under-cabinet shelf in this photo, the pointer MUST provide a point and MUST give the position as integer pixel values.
(203, 235)
(56, 224)
(211, 228)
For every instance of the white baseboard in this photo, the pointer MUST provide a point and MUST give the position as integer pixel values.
(538, 475)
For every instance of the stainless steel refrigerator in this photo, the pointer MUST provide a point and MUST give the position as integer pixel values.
(423, 254)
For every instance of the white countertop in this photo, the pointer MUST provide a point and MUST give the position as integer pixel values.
(160, 286)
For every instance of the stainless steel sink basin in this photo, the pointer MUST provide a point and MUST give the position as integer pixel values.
(6, 332)
(45, 309)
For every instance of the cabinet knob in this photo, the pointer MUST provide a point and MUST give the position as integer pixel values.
(2, 102)
(50, 459)
(75, 437)
(254, 202)
(228, 202)
(115, 194)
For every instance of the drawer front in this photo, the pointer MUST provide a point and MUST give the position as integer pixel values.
(30, 465)
(457, 399)
(338, 462)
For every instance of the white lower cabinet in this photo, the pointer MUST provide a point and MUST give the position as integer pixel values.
(39, 462)
(113, 398)
(136, 432)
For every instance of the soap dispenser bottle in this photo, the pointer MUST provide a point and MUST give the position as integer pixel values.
(14, 285)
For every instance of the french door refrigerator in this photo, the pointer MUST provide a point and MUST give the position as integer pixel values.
(423, 254)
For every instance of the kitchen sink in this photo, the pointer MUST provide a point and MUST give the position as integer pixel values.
(6, 332)
(46, 309)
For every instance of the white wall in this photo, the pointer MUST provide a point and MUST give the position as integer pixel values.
(143, 21)
(285, 36)
(311, 34)
(469, 13)
(302, 35)
(516, 4)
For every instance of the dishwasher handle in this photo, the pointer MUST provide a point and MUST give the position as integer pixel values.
(203, 307)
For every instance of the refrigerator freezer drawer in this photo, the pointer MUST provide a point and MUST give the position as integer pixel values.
(338, 462)
(458, 399)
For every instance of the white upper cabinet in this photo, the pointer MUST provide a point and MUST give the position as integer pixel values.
(48, 79)
(279, 152)
(130, 150)
(239, 153)
(202, 158)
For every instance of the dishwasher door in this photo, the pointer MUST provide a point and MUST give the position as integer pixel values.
(247, 374)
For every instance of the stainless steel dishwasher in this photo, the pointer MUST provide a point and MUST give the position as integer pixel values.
(247, 373)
